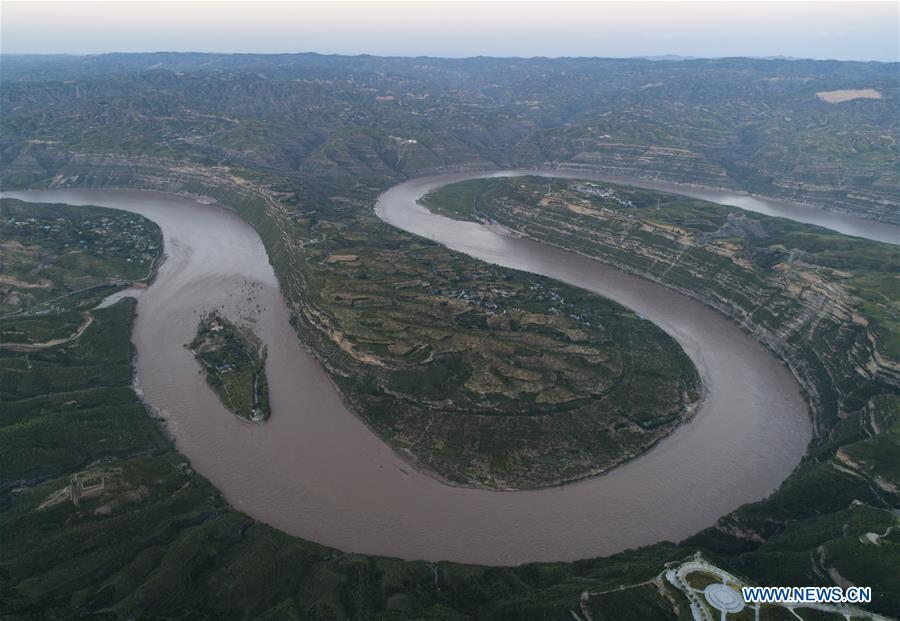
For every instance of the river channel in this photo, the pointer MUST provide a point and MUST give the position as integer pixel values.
(314, 470)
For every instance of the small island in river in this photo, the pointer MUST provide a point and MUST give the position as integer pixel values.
(234, 361)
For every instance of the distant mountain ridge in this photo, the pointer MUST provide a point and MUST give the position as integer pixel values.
(55, 66)
(746, 124)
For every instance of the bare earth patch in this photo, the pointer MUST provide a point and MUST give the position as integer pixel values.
(15, 282)
(88, 320)
(848, 95)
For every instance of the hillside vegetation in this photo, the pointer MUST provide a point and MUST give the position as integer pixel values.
(300, 146)
(826, 303)
(116, 525)
(146, 537)
(234, 362)
(756, 125)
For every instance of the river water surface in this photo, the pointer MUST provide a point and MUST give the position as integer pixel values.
(315, 471)
(842, 223)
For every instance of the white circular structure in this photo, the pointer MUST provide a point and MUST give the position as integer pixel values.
(724, 598)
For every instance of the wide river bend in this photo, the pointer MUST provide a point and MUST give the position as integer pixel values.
(316, 471)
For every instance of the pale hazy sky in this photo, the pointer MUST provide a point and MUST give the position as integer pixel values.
(841, 30)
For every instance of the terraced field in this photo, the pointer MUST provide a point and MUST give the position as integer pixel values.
(301, 146)
(148, 536)
(804, 292)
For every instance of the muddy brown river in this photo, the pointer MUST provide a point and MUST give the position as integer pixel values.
(314, 470)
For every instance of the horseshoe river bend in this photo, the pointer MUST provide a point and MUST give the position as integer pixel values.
(314, 470)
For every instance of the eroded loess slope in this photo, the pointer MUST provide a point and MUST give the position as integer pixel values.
(150, 537)
(65, 366)
(825, 303)
(483, 375)
(52, 253)
(750, 124)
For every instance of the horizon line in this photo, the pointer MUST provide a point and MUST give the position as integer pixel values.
(648, 57)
